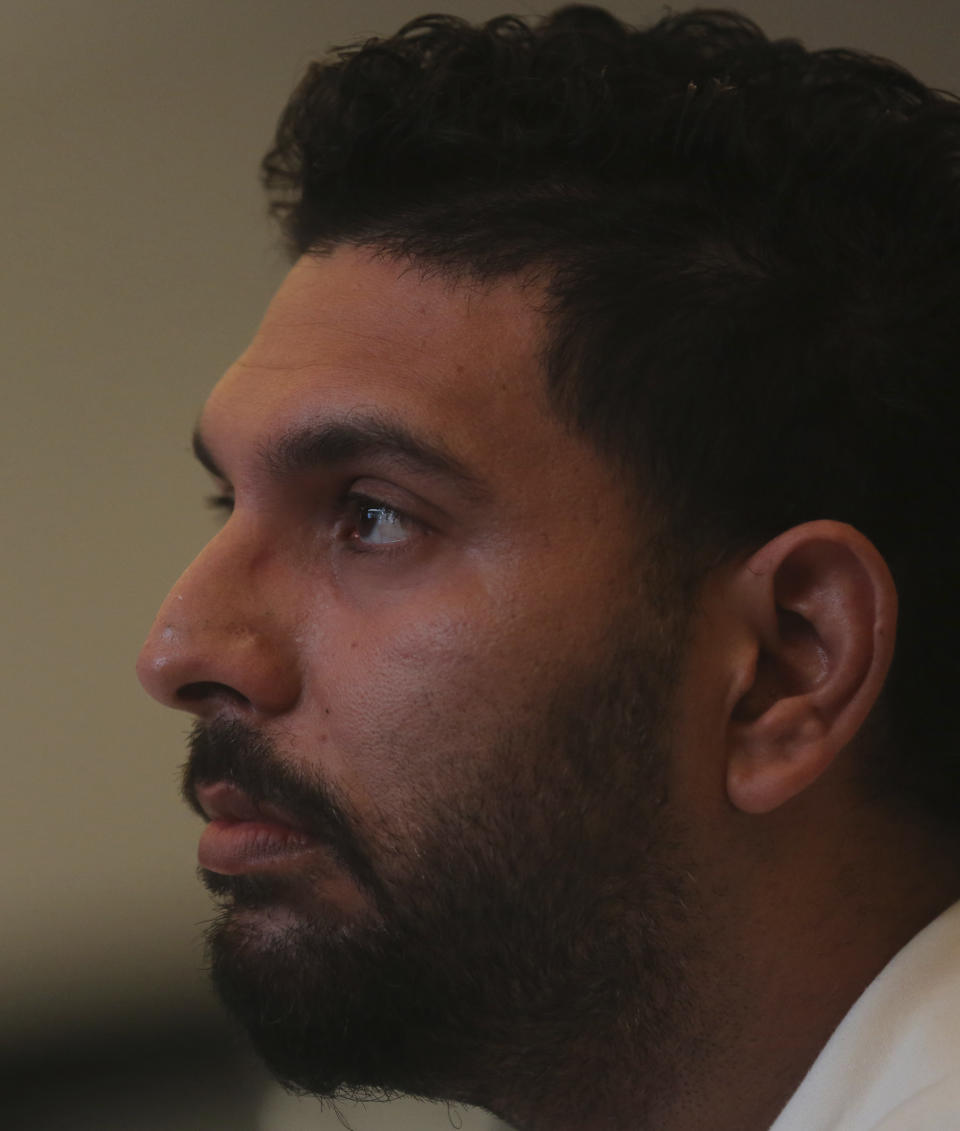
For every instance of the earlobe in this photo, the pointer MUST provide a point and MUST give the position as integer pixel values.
(820, 607)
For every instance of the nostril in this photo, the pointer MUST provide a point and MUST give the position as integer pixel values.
(202, 691)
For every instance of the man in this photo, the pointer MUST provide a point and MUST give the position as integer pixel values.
(560, 748)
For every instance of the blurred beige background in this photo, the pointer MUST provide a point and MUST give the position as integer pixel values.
(136, 261)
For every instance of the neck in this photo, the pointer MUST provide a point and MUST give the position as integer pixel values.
(816, 922)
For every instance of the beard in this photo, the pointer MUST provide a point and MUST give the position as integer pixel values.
(527, 938)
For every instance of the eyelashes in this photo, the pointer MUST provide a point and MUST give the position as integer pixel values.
(362, 522)
(223, 503)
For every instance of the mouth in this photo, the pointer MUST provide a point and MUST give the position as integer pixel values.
(244, 836)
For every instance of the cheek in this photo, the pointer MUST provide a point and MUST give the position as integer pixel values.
(399, 710)
(410, 698)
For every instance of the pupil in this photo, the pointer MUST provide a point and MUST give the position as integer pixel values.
(368, 519)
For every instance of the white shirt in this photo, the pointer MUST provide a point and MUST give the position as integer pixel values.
(893, 1063)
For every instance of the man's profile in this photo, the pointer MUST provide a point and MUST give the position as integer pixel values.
(573, 669)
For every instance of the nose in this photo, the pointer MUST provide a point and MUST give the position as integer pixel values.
(219, 640)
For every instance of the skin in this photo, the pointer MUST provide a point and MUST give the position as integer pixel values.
(366, 635)
(333, 637)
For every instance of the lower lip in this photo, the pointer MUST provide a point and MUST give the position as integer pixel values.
(236, 848)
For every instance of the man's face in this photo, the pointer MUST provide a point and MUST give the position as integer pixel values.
(421, 641)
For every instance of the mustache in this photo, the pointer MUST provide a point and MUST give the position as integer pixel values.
(228, 750)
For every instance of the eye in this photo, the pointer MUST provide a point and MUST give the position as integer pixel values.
(374, 523)
(365, 523)
(221, 502)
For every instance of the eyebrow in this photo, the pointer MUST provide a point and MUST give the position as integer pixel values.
(326, 444)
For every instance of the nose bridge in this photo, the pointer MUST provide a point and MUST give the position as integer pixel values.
(221, 630)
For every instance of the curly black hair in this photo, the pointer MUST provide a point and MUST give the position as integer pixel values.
(752, 257)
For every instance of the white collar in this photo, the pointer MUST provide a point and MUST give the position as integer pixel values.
(900, 1039)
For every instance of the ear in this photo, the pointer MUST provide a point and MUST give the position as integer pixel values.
(820, 607)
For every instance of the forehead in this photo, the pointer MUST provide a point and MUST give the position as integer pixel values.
(353, 332)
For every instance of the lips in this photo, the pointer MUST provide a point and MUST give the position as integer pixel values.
(244, 836)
